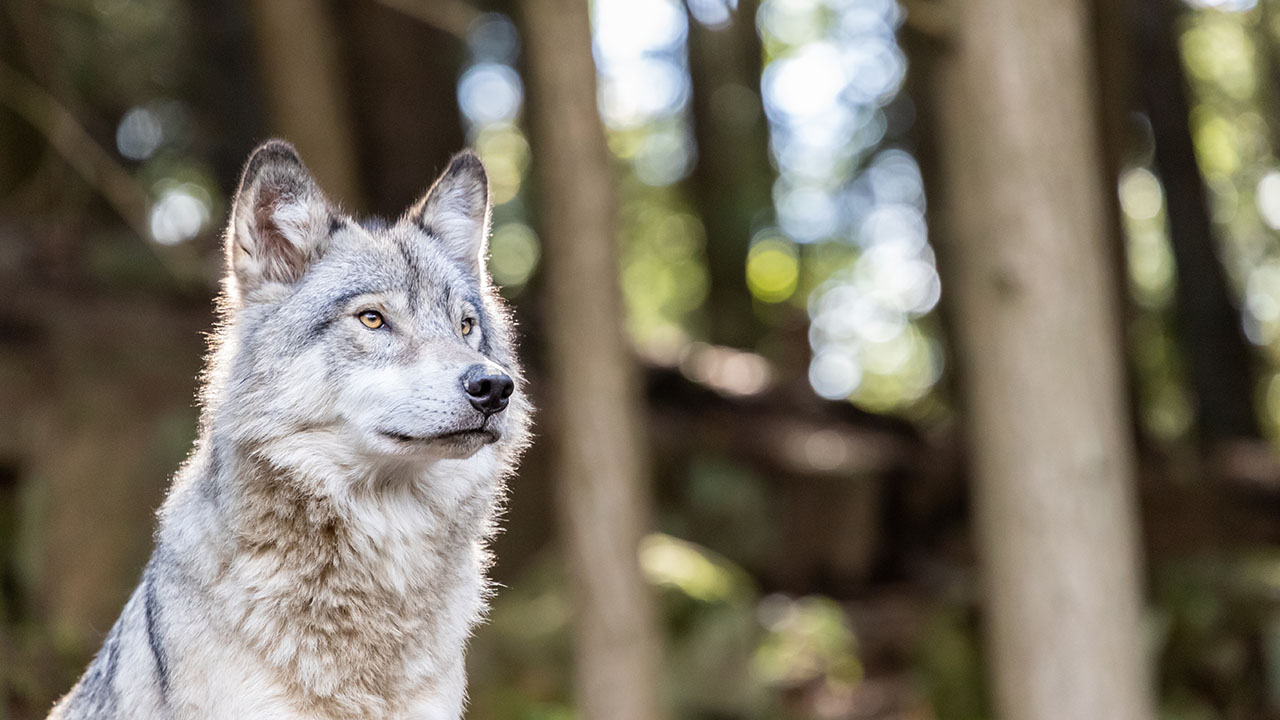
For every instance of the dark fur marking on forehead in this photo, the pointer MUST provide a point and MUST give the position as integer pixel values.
(414, 285)
(336, 223)
(347, 296)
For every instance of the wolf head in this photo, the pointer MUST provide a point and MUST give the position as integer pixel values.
(363, 345)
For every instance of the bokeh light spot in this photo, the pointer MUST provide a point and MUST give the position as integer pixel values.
(513, 254)
(1140, 194)
(490, 92)
(834, 375)
(181, 212)
(773, 270)
(139, 134)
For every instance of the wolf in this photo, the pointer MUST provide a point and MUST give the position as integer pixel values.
(322, 552)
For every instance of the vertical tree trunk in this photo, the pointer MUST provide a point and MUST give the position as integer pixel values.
(733, 174)
(1038, 335)
(404, 101)
(296, 42)
(1218, 355)
(593, 394)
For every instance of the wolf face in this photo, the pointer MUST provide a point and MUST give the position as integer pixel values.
(385, 343)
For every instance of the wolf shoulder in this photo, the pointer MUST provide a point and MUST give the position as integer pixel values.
(122, 681)
(136, 674)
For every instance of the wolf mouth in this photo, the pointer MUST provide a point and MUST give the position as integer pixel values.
(488, 435)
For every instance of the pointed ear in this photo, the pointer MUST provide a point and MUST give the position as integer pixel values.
(279, 220)
(455, 212)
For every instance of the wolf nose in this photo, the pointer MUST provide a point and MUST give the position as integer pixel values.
(487, 390)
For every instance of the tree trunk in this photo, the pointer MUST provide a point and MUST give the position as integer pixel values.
(404, 93)
(296, 43)
(1219, 358)
(1038, 337)
(593, 391)
(732, 177)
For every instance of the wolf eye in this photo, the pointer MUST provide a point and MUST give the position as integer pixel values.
(468, 324)
(372, 319)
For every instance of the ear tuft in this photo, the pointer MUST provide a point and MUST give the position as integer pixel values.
(279, 219)
(455, 211)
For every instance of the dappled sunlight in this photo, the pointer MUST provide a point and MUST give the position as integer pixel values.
(139, 134)
(772, 269)
(1224, 5)
(180, 213)
(491, 99)
(1150, 258)
(832, 67)
(1268, 199)
(640, 55)
(1229, 51)
(1220, 50)
(505, 153)
(808, 639)
(490, 93)
(670, 561)
(664, 278)
(726, 370)
(513, 254)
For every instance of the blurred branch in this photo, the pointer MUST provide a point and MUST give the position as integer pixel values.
(76, 146)
(100, 171)
(451, 16)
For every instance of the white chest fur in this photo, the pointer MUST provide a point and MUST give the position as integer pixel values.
(355, 606)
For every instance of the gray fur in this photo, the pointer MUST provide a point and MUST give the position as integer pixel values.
(322, 552)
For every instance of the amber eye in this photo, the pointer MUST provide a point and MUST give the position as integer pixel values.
(372, 319)
(468, 324)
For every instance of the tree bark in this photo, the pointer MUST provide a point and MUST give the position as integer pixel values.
(593, 390)
(296, 43)
(733, 174)
(1032, 281)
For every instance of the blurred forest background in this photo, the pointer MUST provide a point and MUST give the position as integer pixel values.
(1010, 451)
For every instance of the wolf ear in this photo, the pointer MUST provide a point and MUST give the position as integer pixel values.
(455, 212)
(279, 220)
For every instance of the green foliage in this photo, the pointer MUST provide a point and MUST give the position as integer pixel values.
(950, 663)
(1215, 636)
(728, 653)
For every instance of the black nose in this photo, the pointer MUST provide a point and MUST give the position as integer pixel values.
(487, 388)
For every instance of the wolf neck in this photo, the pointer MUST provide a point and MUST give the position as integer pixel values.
(371, 588)
(358, 510)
